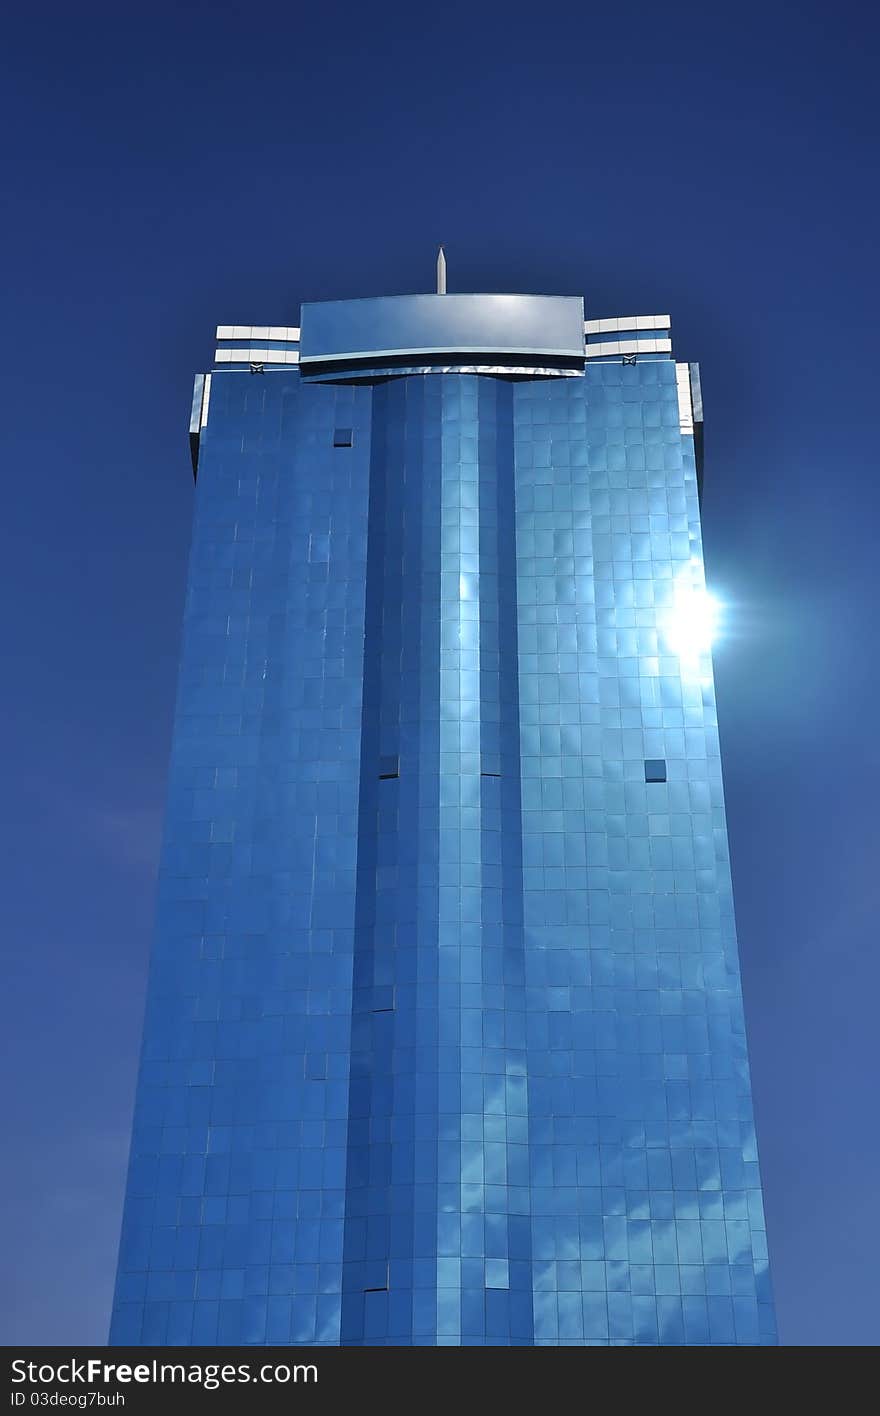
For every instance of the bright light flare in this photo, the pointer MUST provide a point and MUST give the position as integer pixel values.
(690, 625)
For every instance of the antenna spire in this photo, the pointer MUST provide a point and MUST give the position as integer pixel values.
(441, 272)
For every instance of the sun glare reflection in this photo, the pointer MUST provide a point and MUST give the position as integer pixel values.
(690, 625)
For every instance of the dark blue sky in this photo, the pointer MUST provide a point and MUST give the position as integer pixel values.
(169, 167)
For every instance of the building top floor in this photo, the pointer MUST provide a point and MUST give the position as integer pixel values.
(532, 335)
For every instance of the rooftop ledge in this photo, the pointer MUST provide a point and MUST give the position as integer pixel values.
(393, 327)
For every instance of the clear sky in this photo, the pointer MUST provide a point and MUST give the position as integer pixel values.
(169, 167)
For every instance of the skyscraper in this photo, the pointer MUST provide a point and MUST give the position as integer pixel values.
(444, 1040)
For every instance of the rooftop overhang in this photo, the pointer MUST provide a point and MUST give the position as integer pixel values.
(543, 332)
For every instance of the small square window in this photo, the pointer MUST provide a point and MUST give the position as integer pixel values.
(497, 1273)
(655, 769)
(388, 767)
(342, 437)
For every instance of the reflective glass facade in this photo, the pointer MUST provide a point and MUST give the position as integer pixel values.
(444, 1040)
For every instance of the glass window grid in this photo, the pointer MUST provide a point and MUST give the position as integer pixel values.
(476, 1039)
